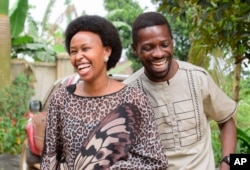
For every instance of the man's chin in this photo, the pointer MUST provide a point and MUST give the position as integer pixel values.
(156, 75)
(159, 71)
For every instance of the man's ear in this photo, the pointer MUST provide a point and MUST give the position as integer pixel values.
(134, 48)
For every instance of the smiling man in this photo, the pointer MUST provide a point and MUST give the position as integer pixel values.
(184, 98)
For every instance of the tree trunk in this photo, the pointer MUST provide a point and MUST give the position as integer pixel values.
(5, 44)
(237, 72)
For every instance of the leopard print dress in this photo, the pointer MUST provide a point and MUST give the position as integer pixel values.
(114, 131)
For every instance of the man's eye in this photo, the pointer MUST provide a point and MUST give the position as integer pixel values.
(146, 48)
(166, 44)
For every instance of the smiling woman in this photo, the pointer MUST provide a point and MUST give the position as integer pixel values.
(99, 123)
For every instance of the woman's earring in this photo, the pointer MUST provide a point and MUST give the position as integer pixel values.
(106, 59)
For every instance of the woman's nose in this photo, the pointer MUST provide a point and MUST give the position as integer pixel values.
(79, 55)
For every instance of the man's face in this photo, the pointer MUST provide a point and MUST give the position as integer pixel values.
(155, 50)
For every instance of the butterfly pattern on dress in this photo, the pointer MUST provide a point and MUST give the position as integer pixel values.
(110, 141)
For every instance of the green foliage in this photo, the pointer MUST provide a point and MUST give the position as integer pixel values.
(18, 16)
(216, 145)
(136, 63)
(125, 32)
(243, 122)
(216, 24)
(243, 116)
(28, 46)
(59, 47)
(180, 31)
(220, 67)
(122, 14)
(125, 11)
(4, 7)
(243, 142)
(28, 43)
(13, 104)
(243, 136)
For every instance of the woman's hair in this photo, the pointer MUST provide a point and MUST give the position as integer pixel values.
(98, 25)
(148, 19)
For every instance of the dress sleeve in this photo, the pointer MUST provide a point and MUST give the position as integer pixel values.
(52, 144)
(147, 151)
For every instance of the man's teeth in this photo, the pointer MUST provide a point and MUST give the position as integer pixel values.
(159, 63)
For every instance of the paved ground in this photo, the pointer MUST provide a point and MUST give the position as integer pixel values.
(9, 162)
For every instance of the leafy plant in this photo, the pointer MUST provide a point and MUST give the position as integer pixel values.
(30, 46)
(26, 42)
(243, 136)
(13, 104)
(122, 14)
(216, 145)
(243, 142)
(243, 121)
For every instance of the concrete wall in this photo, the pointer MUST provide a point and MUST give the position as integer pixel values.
(45, 73)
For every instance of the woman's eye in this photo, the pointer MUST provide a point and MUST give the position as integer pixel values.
(73, 52)
(85, 48)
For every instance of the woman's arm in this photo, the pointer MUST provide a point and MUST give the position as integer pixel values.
(52, 144)
(147, 151)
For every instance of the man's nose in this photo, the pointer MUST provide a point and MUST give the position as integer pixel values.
(158, 52)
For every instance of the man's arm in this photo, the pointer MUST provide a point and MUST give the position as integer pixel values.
(228, 139)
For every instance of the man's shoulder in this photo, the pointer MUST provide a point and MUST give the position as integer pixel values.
(190, 67)
(132, 78)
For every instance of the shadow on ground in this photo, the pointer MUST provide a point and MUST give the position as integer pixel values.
(9, 162)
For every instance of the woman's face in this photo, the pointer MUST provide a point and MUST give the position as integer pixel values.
(87, 55)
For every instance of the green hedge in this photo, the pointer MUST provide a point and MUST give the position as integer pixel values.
(13, 106)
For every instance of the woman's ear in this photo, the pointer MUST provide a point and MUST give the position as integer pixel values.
(108, 51)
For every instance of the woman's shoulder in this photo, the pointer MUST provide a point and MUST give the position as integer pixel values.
(62, 91)
(133, 91)
(71, 88)
(133, 88)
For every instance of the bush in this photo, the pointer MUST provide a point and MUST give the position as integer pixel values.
(13, 106)
(243, 118)
(243, 121)
(243, 136)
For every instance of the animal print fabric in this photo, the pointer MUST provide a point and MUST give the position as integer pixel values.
(114, 131)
